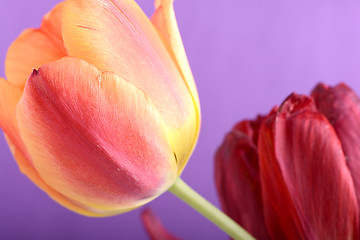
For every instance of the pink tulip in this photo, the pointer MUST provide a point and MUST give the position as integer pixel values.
(296, 179)
(111, 116)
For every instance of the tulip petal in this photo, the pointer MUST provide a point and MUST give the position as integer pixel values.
(35, 47)
(9, 98)
(238, 180)
(27, 169)
(165, 23)
(94, 137)
(117, 36)
(154, 227)
(307, 188)
(341, 106)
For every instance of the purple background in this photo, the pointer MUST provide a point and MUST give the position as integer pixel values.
(246, 56)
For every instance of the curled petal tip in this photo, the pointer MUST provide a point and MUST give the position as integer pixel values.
(321, 86)
(296, 103)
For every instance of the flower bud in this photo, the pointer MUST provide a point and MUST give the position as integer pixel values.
(111, 116)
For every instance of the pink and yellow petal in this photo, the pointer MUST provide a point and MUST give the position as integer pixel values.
(9, 98)
(27, 169)
(94, 137)
(35, 47)
(164, 21)
(128, 44)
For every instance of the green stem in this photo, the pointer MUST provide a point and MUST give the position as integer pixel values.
(200, 204)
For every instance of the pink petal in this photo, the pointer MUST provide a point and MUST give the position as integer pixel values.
(9, 98)
(238, 180)
(154, 227)
(341, 106)
(94, 138)
(117, 36)
(307, 188)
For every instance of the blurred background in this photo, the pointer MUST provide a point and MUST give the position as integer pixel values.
(246, 56)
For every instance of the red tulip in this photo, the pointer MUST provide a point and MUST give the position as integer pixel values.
(300, 186)
(109, 120)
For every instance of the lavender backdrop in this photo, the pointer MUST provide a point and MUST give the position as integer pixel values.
(246, 57)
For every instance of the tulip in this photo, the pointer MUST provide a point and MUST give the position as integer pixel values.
(296, 178)
(111, 116)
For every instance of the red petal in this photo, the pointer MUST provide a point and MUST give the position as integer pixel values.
(307, 188)
(237, 178)
(341, 106)
(94, 137)
(251, 128)
(154, 227)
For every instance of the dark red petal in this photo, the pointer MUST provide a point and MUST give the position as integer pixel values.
(154, 227)
(341, 106)
(307, 188)
(237, 178)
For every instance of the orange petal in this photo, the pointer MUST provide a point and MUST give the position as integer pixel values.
(35, 47)
(117, 36)
(94, 137)
(9, 98)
